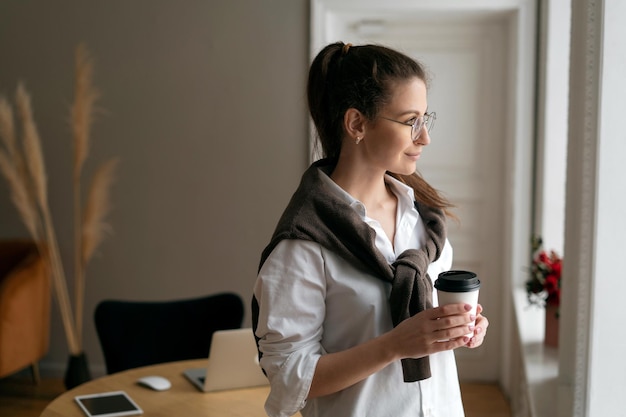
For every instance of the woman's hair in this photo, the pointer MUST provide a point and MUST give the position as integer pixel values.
(343, 76)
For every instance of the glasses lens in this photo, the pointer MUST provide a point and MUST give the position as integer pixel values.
(427, 120)
(417, 128)
(430, 120)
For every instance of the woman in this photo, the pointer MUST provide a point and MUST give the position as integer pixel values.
(342, 307)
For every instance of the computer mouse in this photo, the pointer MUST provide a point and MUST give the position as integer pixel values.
(157, 383)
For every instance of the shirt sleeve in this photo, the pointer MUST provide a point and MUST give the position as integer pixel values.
(290, 290)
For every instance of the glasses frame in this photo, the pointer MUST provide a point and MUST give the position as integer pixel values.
(427, 120)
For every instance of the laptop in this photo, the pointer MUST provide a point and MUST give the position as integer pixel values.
(233, 363)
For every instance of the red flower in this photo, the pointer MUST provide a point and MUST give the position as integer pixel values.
(551, 285)
(556, 267)
(544, 284)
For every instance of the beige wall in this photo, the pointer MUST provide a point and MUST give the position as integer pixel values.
(204, 103)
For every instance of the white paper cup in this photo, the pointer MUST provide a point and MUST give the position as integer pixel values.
(458, 287)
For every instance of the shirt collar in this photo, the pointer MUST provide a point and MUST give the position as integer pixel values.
(405, 194)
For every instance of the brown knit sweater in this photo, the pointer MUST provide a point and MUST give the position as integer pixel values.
(314, 214)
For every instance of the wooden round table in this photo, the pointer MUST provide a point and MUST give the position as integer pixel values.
(182, 399)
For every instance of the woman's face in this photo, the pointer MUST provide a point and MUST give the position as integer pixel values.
(388, 144)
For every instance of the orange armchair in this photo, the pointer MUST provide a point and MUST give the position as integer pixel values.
(24, 307)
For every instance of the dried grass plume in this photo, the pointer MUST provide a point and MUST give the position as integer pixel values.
(23, 166)
(97, 208)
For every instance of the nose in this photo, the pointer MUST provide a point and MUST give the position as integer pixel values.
(423, 138)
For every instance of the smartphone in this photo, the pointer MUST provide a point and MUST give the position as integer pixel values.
(108, 404)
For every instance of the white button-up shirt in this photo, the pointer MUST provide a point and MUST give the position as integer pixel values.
(312, 302)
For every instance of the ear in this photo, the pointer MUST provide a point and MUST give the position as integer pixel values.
(354, 123)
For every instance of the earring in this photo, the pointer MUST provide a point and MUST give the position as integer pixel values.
(358, 139)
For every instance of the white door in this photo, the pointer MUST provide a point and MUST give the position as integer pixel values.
(466, 56)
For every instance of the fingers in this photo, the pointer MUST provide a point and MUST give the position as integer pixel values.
(438, 329)
(479, 332)
(449, 310)
(451, 322)
(444, 324)
(450, 344)
(454, 333)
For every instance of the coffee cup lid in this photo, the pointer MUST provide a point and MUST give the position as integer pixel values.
(457, 281)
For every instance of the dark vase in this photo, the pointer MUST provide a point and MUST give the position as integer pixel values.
(77, 371)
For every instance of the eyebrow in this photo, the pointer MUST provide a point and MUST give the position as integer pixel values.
(406, 113)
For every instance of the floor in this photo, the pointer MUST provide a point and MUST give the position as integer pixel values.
(19, 397)
(484, 400)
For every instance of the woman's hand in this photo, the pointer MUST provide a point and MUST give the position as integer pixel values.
(430, 331)
(433, 330)
(480, 329)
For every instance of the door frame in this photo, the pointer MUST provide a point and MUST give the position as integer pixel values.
(521, 16)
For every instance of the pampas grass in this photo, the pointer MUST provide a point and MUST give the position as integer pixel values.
(22, 164)
(94, 227)
(97, 207)
(12, 167)
(88, 229)
(24, 169)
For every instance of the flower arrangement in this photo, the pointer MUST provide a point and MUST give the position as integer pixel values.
(23, 166)
(544, 285)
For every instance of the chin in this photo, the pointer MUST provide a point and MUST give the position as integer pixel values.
(409, 170)
(405, 171)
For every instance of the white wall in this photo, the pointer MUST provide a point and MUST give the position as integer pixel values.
(606, 387)
(204, 103)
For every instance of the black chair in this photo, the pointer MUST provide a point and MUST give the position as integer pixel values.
(139, 333)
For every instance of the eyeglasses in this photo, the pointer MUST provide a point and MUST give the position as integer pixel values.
(428, 120)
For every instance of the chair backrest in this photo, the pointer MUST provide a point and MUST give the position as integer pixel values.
(140, 333)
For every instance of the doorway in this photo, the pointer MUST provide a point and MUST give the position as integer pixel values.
(475, 155)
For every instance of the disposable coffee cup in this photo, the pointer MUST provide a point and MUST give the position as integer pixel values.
(458, 287)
